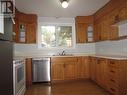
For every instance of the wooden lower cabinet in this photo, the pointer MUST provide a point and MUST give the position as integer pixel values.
(83, 68)
(28, 72)
(98, 71)
(69, 68)
(57, 71)
(110, 74)
(117, 77)
(101, 72)
(63, 68)
(93, 61)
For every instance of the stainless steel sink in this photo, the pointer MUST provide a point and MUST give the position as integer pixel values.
(63, 55)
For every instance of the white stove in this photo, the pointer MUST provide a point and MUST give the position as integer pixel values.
(19, 77)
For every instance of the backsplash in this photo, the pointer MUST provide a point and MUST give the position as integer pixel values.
(112, 48)
(33, 50)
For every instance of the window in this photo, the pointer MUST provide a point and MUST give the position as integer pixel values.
(56, 36)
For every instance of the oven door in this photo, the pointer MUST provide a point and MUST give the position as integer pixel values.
(19, 78)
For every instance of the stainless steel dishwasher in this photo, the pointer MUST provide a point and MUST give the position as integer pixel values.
(41, 69)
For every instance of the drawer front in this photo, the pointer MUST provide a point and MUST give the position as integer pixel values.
(113, 71)
(112, 89)
(114, 63)
(114, 82)
(64, 59)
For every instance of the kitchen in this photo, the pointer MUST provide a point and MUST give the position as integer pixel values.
(82, 47)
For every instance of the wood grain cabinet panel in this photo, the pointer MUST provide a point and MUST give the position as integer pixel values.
(98, 71)
(117, 77)
(28, 72)
(93, 62)
(83, 68)
(63, 68)
(81, 32)
(101, 72)
(70, 70)
(123, 12)
(31, 33)
(82, 23)
(57, 71)
(25, 28)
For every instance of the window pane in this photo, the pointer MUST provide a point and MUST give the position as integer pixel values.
(64, 36)
(48, 36)
(56, 36)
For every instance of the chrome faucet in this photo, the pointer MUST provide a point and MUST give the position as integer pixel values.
(63, 52)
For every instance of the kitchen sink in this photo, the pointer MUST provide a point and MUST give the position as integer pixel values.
(63, 55)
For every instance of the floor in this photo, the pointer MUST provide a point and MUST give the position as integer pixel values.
(68, 88)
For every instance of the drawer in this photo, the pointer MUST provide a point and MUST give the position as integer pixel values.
(114, 63)
(113, 90)
(114, 82)
(113, 71)
(64, 59)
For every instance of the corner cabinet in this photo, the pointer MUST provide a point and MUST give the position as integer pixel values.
(84, 29)
(25, 28)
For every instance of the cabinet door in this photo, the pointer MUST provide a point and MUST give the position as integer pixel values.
(57, 71)
(96, 32)
(28, 72)
(81, 32)
(69, 70)
(101, 72)
(93, 62)
(83, 67)
(112, 18)
(31, 33)
(123, 12)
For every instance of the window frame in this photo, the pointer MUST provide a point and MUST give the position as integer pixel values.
(56, 24)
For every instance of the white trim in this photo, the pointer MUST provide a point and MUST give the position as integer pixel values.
(56, 24)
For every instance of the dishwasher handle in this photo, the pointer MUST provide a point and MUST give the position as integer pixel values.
(43, 58)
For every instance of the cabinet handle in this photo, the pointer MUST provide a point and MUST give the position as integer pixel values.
(112, 63)
(116, 18)
(112, 80)
(64, 65)
(112, 71)
(113, 89)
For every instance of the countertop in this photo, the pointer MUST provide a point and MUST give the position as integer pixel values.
(117, 57)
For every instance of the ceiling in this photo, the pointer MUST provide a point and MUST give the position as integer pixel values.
(52, 8)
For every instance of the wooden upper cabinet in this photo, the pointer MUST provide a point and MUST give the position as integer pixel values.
(31, 33)
(25, 28)
(82, 24)
(123, 14)
(104, 28)
(81, 32)
(107, 19)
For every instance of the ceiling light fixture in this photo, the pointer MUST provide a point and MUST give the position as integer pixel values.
(64, 3)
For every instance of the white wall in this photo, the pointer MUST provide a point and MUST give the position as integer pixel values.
(33, 50)
(113, 47)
